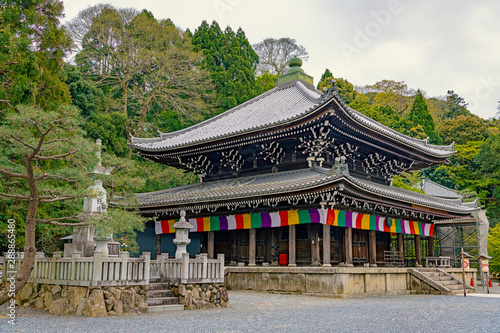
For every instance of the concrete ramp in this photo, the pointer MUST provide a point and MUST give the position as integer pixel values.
(440, 280)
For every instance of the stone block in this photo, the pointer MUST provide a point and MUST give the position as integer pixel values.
(60, 306)
(47, 300)
(118, 307)
(95, 306)
(374, 283)
(128, 299)
(27, 292)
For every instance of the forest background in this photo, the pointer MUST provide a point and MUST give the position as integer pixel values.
(117, 73)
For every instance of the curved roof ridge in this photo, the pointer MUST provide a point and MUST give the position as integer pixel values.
(210, 120)
(280, 104)
(410, 196)
(375, 125)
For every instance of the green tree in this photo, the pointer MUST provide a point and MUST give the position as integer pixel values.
(494, 249)
(44, 163)
(274, 54)
(419, 115)
(325, 80)
(231, 62)
(145, 65)
(455, 105)
(32, 45)
(463, 129)
(265, 82)
(395, 94)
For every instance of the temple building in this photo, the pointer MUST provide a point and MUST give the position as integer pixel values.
(296, 176)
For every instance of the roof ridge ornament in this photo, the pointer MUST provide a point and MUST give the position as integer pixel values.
(340, 167)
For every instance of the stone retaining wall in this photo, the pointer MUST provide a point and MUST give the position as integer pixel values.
(84, 301)
(330, 281)
(201, 296)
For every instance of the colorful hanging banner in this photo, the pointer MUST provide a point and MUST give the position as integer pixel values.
(333, 217)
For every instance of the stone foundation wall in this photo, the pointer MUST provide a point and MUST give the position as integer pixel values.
(84, 301)
(329, 281)
(201, 296)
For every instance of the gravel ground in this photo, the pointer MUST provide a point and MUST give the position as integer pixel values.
(262, 312)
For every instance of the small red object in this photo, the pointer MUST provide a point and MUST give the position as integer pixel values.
(283, 259)
(489, 283)
(471, 282)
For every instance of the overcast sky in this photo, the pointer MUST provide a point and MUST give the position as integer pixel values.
(432, 45)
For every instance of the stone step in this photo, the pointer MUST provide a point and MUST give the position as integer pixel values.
(158, 285)
(443, 278)
(431, 274)
(162, 301)
(447, 282)
(455, 287)
(165, 308)
(159, 293)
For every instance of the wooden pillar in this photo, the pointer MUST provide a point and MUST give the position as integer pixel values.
(252, 239)
(210, 244)
(401, 247)
(418, 254)
(234, 248)
(372, 240)
(430, 246)
(274, 247)
(291, 245)
(157, 246)
(314, 235)
(326, 246)
(348, 246)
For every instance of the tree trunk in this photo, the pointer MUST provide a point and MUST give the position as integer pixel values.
(29, 238)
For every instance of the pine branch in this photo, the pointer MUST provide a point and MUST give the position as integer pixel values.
(22, 142)
(13, 174)
(48, 198)
(54, 157)
(15, 196)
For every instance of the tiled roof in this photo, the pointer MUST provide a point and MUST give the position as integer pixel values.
(437, 190)
(245, 187)
(279, 105)
(286, 182)
(412, 197)
(423, 145)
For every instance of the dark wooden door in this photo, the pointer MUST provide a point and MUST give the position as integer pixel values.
(261, 246)
(359, 246)
(336, 245)
(243, 245)
(222, 244)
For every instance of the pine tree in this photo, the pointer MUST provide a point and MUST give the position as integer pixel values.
(419, 115)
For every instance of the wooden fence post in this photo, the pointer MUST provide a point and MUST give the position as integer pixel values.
(147, 263)
(124, 255)
(220, 258)
(185, 267)
(53, 271)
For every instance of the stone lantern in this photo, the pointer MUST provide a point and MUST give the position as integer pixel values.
(181, 235)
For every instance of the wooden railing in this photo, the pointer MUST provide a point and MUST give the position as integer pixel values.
(185, 270)
(437, 262)
(393, 259)
(87, 271)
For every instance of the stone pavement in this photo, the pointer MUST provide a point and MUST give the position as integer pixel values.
(262, 312)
